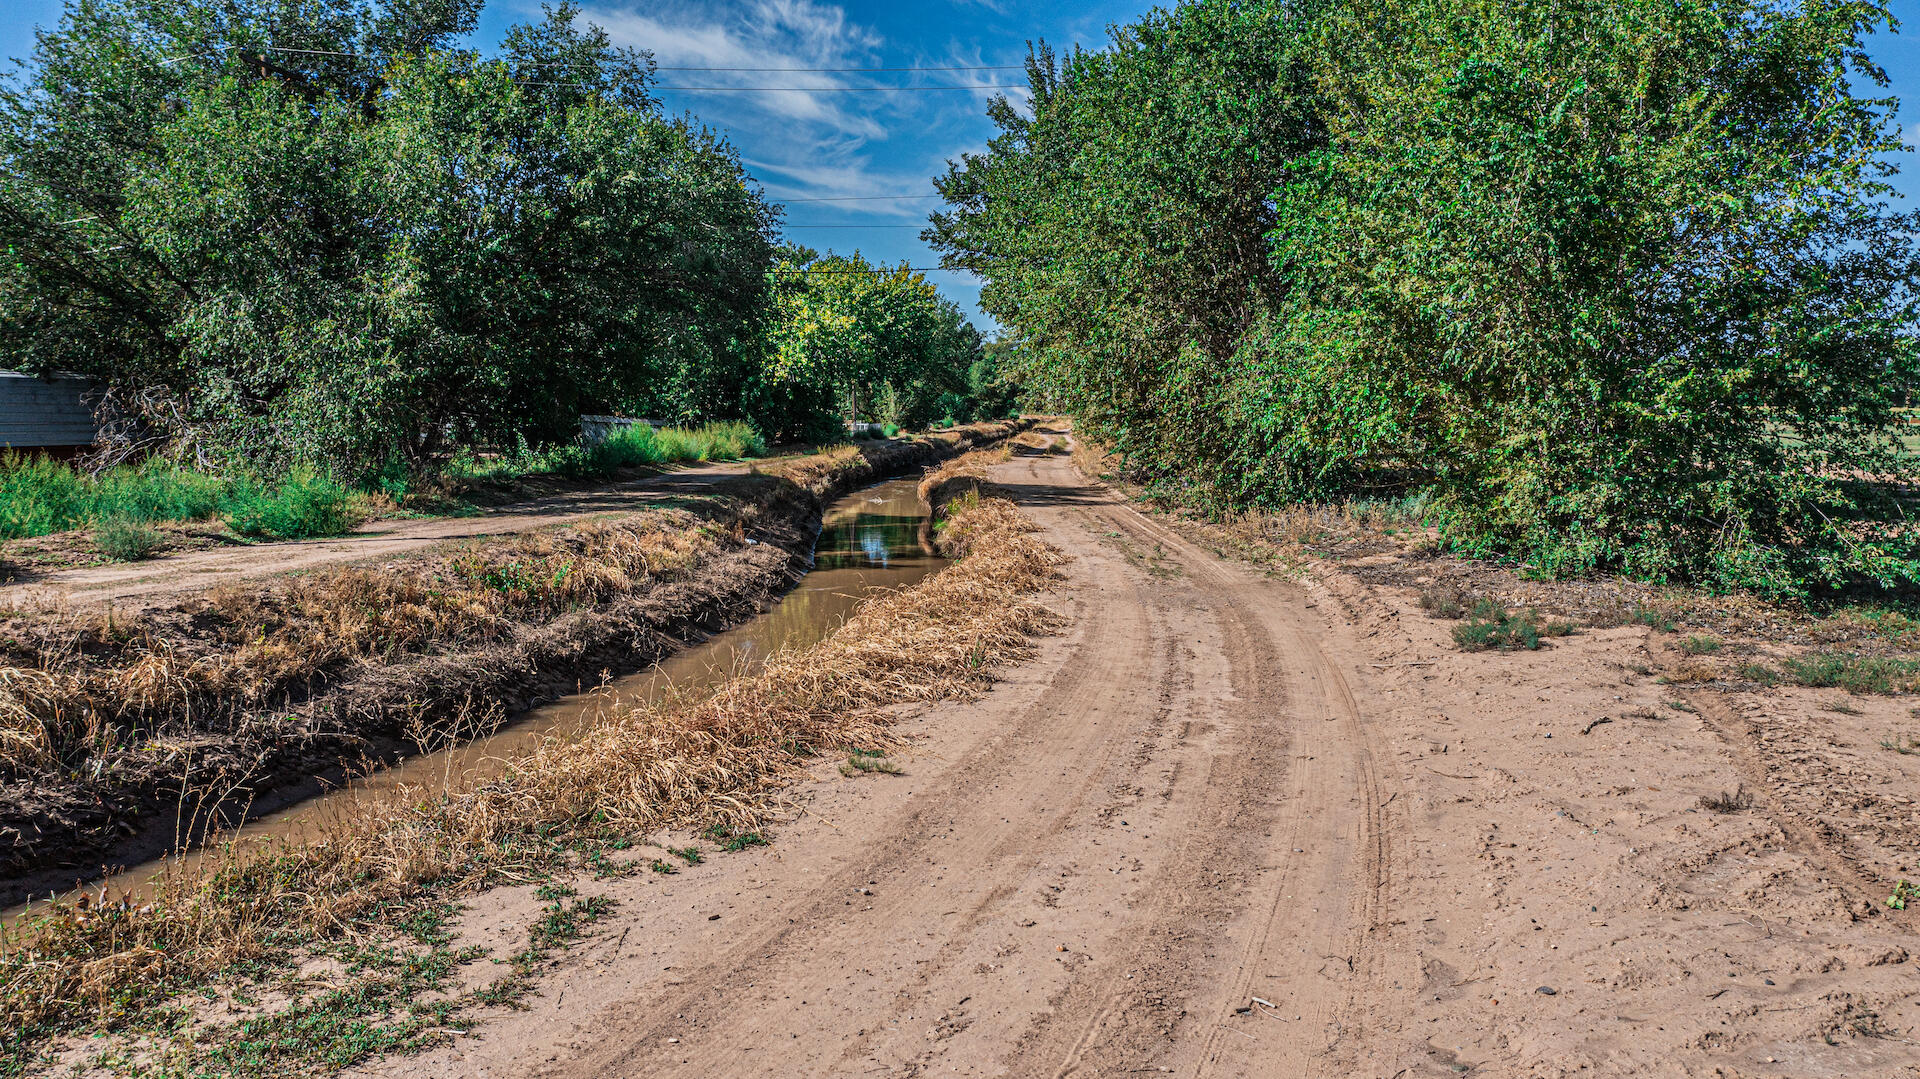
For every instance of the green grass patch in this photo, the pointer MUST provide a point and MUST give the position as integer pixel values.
(1699, 646)
(1855, 673)
(39, 496)
(626, 448)
(1491, 626)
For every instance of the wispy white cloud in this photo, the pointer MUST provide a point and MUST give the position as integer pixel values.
(794, 34)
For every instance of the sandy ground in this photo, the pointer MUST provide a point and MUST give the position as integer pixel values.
(1232, 825)
(140, 585)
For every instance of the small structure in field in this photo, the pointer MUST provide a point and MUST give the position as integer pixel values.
(49, 415)
(596, 429)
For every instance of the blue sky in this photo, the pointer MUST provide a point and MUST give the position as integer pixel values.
(837, 144)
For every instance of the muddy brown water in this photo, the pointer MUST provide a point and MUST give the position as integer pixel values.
(870, 542)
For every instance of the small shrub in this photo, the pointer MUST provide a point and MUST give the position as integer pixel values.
(1648, 616)
(124, 540)
(1855, 673)
(1758, 672)
(1491, 626)
(868, 762)
(891, 430)
(1739, 798)
(1446, 601)
(1699, 646)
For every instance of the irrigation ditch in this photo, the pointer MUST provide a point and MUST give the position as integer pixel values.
(127, 739)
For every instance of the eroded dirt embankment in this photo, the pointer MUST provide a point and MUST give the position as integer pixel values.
(125, 735)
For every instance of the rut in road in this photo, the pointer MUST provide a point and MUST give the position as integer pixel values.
(1091, 872)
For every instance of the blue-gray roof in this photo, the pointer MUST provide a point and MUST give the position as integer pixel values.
(38, 412)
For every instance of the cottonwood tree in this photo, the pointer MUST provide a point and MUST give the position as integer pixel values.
(328, 234)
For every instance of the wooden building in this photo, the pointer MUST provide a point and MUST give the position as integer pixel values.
(45, 415)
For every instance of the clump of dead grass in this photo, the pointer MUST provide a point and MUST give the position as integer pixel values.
(75, 687)
(714, 762)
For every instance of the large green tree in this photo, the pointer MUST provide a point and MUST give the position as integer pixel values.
(1613, 280)
(320, 231)
(870, 343)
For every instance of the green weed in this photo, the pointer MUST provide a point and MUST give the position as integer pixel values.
(1902, 892)
(38, 496)
(124, 540)
(1699, 646)
(626, 448)
(1904, 744)
(689, 855)
(1491, 626)
(1855, 673)
(868, 762)
(1757, 672)
(1648, 616)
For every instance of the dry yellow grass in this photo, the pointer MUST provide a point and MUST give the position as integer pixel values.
(95, 681)
(718, 760)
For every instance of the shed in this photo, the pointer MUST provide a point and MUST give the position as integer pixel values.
(48, 413)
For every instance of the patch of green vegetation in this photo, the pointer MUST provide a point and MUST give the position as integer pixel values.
(1648, 616)
(659, 866)
(625, 448)
(379, 1013)
(730, 840)
(1757, 672)
(1904, 744)
(1699, 646)
(689, 855)
(876, 761)
(124, 540)
(1491, 626)
(39, 496)
(1855, 673)
(1902, 893)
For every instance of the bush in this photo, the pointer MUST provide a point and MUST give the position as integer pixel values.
(1492, 626)
(1615, 282)
(302, 505)
(891, 430)
(1447, 601)
(123, 539)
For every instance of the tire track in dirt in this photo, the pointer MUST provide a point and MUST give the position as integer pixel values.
(1077, 720)
(1088, 873)
(1344, 860)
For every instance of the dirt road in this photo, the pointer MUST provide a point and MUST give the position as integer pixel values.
(1232, 825)
(139, 585)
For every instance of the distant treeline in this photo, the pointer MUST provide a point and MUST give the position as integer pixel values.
(328, 235)
(1600, 284)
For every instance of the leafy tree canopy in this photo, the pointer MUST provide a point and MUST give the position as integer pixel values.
(1613, 281)
(874, 343)
(319, 231)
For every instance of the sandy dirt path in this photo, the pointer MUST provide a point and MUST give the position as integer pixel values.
(1175, 809)
(139, 585)
(1233, 825)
